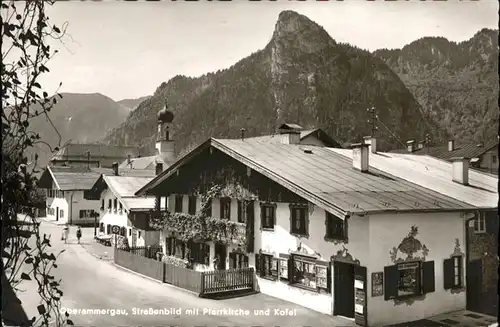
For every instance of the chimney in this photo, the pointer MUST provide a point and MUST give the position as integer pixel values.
(410, 145)
(420, 145)
(451, 145)
(460, 172)
(371, 141)
(242, 134)
(159, 168)
(115, 168)
(290, 133)
(360, 157)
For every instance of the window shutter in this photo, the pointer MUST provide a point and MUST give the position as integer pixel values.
(428, 278)
(304, 221)
(391, 280)
(257, 264)
(291, 274)
(81, 213)
(329, 278)
(346, 225)
(240, 218)
(448, 273)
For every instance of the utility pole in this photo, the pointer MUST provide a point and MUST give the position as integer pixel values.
(373, 120)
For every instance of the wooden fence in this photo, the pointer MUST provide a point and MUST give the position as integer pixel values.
(184, 278)
(201, 283)
(228, 280)
(140, 264)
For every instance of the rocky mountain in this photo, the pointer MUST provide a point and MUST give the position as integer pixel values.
(133, 103)
(456, 83)
(81, 118)
(302, 76)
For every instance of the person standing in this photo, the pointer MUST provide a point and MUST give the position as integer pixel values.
(65, 233)
(216, 262)
(79, 234)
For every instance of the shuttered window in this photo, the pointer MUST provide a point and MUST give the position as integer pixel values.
(178, 203)
(268, 266)
(241, 212)
(238, 260)
(336, 228)
(267, 216)
(452, 272)
(192, 205)
(409, 279)
(298, 220)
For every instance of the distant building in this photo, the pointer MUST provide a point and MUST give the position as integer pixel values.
(315, 136)
(321, 230)
(68, 197)
(120, 207)
(92, 155)
(482, 156)
(165, 145)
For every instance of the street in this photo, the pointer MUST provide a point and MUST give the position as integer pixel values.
(90, 283)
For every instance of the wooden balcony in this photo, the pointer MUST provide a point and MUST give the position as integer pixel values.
(200, 228)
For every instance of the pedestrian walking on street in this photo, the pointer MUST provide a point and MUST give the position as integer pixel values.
(79, 234)
(65, 233)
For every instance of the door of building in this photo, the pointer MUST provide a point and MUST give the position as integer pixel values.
(474, 285)
(343, 287)
(221, 250)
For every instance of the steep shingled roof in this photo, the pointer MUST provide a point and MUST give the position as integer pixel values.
(435, 174)
(325, 178)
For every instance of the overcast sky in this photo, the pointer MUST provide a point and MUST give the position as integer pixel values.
(127, 49)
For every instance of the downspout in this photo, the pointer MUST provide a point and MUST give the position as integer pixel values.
(467, 241)
(71, 208)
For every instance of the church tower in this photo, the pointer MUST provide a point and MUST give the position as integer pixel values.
(164, 143)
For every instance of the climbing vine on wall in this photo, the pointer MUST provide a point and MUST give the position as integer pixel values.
(201, 227)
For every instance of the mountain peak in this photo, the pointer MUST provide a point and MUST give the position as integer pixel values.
(296, 30)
